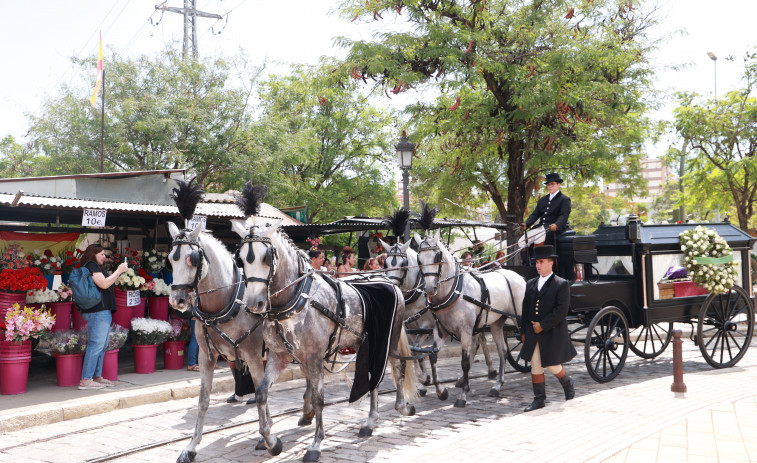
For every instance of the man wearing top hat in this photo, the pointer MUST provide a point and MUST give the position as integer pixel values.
(552, 210)
(544, 330)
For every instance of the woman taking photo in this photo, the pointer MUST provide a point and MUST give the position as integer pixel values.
(98, 318)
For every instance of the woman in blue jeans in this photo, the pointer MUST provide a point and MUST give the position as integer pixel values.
(98, 318)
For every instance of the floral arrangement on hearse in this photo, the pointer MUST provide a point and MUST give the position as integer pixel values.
(22, 280)
(27, 323)
(147, 331)
(708, 259)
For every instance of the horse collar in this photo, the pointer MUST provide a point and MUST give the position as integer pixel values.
(453, 295)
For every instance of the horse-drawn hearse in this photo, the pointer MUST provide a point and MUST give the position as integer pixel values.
(619, 300)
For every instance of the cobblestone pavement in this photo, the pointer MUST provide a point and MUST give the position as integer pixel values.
(633, 418)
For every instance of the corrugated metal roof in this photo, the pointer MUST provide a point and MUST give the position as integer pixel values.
(211, 209)
(137, 173)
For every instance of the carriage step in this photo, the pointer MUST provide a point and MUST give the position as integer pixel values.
(424, 350)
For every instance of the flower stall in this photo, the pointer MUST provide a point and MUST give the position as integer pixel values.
(146, 334)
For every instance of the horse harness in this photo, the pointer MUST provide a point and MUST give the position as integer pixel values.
(418, 287)
(297, 303)
(228, 313)
(457, 290)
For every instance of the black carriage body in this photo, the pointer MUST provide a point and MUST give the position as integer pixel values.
(628, 263)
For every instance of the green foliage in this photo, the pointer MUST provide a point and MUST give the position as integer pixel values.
(322, 146)
(591, 207)
(160, 113)
(518, 89)
(15, 159)
(722, 171)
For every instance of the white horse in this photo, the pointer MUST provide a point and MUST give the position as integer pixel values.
(462, 306)
(308, 321)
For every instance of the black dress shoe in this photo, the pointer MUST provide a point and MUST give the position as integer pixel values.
(251, 401)
(232, 399)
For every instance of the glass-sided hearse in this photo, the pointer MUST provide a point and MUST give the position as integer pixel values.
(620, 299)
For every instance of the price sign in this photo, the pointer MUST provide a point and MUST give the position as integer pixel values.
(94, 217)
(197, 221)
(132, 298)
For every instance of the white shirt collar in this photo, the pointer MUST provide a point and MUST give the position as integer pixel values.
(543, 280)
(552, 196)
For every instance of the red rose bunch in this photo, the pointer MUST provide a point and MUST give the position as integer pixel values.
(22, 280)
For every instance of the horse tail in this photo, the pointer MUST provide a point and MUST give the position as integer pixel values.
(410, 384)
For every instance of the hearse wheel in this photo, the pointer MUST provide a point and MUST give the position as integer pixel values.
(606, 345)
(724, 330)
(650, 341)
(514, 346)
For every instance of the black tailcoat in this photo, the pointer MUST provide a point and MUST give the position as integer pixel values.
(549, 307)
(551, 212)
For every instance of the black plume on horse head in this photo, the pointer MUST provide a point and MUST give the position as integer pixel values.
(426, 219)
(397, 222)
(187, 196)
(251, 198)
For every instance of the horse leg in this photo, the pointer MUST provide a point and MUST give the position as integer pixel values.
(276, 363)
(314, 367)
(206, 381)
(466, 343)
(307, 407)
(441, 391)
(367, 429)
(404, 376)
(423, 376)
(499, 341)
(487, 357)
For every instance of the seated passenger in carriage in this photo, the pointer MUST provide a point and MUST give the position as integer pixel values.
(552, 210)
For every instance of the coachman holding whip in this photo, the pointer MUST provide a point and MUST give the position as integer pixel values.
(551, 210)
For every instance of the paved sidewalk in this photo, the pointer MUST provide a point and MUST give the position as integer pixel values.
(635, 418)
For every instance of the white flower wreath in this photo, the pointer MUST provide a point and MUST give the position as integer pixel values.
(708, 259)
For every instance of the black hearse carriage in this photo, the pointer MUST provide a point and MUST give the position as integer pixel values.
(619, 300)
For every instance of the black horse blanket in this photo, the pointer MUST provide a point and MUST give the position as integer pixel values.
(380, 304)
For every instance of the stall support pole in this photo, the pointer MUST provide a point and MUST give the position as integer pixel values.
(678, 384)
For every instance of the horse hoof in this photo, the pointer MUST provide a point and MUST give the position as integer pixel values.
(411, 410)
(304, 421)
(460, 403)
(365, 432)
(186, 457)
(493, 374)
(312, 455)
(444, 395)
(459, 382)
(493, 392)
(427, 381)
(276, 449)
(260, 445)
(422, 392)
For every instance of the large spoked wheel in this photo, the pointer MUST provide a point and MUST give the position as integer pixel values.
(726, 323)
(514, 345)
(606, 345)
(650, 341)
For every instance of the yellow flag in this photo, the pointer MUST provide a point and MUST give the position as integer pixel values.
(98, 84)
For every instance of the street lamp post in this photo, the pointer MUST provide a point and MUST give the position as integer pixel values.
(405, 151)
(715, 67)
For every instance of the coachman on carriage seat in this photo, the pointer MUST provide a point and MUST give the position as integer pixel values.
(552, 210)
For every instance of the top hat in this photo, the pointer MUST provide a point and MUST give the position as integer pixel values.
(544, 252)
(553, 177)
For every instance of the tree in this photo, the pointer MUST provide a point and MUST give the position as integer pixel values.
(518, 88)
(15, 159)
(321, 146)
(160, 113)
(723, 137)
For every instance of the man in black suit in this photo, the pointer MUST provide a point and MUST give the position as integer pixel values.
(551, 210)
(544, 330)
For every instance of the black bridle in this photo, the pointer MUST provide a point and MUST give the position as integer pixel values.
(196, 259)
(269, 257)
(426, 247)
(396, 253)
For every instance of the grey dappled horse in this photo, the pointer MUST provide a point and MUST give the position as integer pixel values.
(449, 289)
(401, 266)
(297, 327)
(220, 311)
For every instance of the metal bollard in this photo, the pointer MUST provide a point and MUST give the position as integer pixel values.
(678, 384)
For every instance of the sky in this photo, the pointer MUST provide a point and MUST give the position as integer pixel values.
(38, 37)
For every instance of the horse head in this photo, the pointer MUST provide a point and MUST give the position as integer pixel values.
(257, 256)
(431, 258)
(401, 262)
(187, 260)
